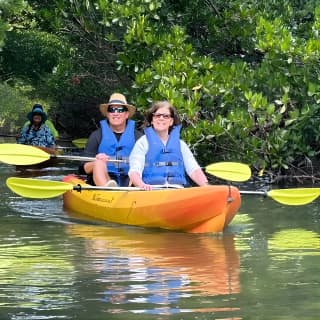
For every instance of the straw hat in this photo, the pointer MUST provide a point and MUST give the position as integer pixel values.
(118, 99)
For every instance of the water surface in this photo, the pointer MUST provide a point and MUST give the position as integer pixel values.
(54, 265)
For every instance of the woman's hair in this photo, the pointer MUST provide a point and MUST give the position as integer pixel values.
(162, 104)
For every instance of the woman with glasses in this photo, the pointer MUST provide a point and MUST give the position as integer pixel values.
(160, 157)
(114, 140)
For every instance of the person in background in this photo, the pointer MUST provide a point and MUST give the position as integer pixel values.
(36, 133)
(114, 140)
(48, 122)
(160, 157)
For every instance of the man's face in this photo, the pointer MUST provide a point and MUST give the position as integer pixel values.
(117, 114)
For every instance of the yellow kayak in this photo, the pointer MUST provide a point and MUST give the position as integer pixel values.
(193, 210)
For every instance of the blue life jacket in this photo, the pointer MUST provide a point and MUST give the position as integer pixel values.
(164, 163)
(119, 150)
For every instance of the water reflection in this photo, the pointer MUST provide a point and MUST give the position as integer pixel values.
(33, 275)
(152, 271)
(295, 242)
(42, 169)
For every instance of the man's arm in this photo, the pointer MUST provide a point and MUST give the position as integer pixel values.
(92, 146)
(90, 150)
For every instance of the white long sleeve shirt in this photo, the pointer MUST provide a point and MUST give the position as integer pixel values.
(139, 151)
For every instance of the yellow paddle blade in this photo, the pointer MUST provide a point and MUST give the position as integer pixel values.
(294, 197)
(40, 189)
(232, 171)
(80, 143)
(20, 154)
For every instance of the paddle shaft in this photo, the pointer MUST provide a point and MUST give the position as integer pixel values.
(81, 158)
(154, 187)
(33, 188)
(260, 193)
(81, 188)
(9, 135)
(12, 135)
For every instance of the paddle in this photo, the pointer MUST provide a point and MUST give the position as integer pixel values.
(32, 188)
(20, 154)
(41, 189)
(239, 172)
(232, 171)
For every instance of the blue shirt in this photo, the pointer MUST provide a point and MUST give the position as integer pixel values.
(41, 137)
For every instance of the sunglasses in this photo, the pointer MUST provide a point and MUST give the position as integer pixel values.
(163, 115)
(117, 109)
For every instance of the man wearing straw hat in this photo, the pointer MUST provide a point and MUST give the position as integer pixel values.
(114, 140)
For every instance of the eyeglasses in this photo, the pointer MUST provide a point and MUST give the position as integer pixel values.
(117, 109)
(163, 115)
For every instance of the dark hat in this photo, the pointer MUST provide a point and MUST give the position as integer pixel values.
(37, 106)
(37, 109)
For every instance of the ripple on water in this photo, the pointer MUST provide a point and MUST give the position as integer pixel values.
(45, 209)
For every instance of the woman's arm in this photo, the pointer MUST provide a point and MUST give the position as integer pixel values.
(137, 162)
(192, 167)
(199, 177)
(49, 137)
(22, 139)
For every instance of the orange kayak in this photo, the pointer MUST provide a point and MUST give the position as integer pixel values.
(193, 210)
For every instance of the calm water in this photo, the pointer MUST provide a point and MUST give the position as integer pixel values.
(57, 266)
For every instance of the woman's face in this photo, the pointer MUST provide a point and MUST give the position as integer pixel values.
(162, 119)
(37, 119)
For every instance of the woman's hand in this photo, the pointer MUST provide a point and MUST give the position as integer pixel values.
(138, 182)
(145, 186)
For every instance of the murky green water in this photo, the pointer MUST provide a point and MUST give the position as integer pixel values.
(56, 266)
